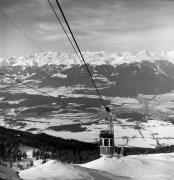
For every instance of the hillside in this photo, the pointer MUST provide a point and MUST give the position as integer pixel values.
(53, 170)
(127, 82)
(142, 167)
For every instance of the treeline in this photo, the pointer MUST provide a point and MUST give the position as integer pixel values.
(9, 149)
(48, 147)
(139, 150)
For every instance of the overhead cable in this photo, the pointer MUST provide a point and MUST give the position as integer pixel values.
(20, 30)
(73, 46)
(64, 29)
(87, 69)
(20, 82)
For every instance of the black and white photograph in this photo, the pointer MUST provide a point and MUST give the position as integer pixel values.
(86, 89)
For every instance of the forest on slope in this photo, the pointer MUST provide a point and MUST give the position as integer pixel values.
(50, 147)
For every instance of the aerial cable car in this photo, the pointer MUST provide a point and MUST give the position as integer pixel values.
(107, 145)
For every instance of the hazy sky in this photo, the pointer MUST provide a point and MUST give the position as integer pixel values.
(109, 25)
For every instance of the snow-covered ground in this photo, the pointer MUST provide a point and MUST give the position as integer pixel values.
(136, 167)
(28, 150)
(157, 130)
(53, 170)
(142, 167)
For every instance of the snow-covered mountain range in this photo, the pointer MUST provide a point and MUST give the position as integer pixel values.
(93, 58)
(120, 77)
(115, 75)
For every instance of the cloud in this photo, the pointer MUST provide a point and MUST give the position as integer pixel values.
(109, 23)
(52, 32)
(12, 6)
(52, 37)
(87, 4)
(47, 27)
(118, 16)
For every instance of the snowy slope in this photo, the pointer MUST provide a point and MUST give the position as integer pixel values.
(93, 58)
(142, 167)
(53, 170)
(7, 174)
(138, 167)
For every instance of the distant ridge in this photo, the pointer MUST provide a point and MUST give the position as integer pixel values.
(93, 58)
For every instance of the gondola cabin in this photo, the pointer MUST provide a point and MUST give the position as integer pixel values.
(107, 148)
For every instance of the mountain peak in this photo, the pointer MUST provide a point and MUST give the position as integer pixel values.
(94, 58)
